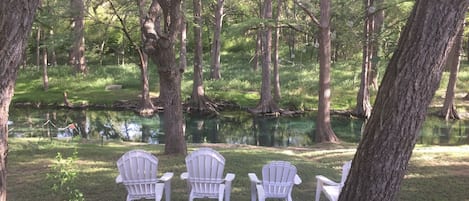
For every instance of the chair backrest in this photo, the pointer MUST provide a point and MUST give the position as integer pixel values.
(345, 170)
(139, 170)
(205, 167)
(278, 178)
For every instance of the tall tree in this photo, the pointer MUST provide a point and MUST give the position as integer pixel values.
(258, 50)
(199, 101)
(159, 44)
(183, 39)
(323, 132)
(448, 111)
(266, 103)
(363, 107)
(77, 8)
(408, 86)
(16, 17)
(216, 43)
(45, 77)
(275, 41)
(146, 105)
(378, 22)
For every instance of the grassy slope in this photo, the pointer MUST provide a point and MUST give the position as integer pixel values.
(239, 84)
(435, 173)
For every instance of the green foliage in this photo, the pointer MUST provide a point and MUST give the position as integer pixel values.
(64, 175)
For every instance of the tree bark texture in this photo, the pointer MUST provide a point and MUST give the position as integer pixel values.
(16, 17)
(448, 111)
(159, 44)
(216, 45)
(407, 88)
(324, 132)
(78, 49)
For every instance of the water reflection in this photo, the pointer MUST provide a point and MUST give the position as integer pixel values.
(234, 127)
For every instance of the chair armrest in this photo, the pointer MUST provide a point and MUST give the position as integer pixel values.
(260, 192)
(229, 177)
(119, 179)
(253, 178)
(167, 176)
(185, 175)
(297, 180)
(325, 180)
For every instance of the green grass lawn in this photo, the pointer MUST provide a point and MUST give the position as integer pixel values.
(435, 172)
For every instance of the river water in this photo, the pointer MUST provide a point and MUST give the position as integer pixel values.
(234, 127)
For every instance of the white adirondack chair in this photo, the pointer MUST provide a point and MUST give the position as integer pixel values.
(138, 172)
(278, 178)
(330, 188)
(204, 175)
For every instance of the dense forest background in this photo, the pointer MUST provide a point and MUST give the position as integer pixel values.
(106, 43)
(112, 35)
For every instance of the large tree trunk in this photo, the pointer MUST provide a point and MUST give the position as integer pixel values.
(146, 105)
(363, 107)
(407, 89)
(16, 17)
(159, 45)
(78, 49)
(266, 103)
(448, 111)
(324, 132)
(216, 45)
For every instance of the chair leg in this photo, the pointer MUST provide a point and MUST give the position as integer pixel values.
(167, 190)
(318, 190)
(253, 192)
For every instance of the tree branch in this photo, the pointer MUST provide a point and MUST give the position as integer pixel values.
(308, 12)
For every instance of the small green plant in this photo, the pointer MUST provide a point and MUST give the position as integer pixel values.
(63, 176)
